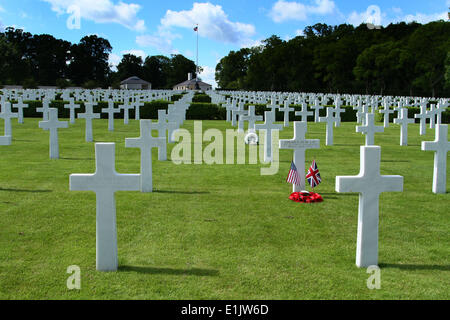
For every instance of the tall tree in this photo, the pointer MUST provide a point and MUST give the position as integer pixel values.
(130, 65)
(90, 60)
(430, 45)
(156, 70)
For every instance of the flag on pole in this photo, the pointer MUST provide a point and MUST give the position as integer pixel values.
(293, 176)
(313, 175)
(196, 29)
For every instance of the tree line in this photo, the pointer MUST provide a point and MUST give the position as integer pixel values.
(400, 59)
(41, 60)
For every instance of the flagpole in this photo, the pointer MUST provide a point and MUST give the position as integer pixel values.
(196, 71)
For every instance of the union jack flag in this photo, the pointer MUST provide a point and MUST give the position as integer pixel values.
(313, 175)
(293, 176)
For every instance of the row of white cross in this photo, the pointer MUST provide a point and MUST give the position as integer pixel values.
(369, 183)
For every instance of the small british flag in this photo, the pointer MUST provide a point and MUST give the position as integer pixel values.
(313, 175)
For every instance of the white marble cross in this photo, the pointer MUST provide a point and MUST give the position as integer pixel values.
(233, 108)
(299, 144)
(146, 142)
(241, 113)
(365, 110)
(304, 113)
(105, 182)
(53, 124)
(403, 121)
(386, 111)
(44, 110)
(89, 115)
(126, 110)
(337, 111)
(369, 184)
(423, 118)
(110, 111)
(286, 109)
(329, 119)
(72, 106)
(441, 107)
(316, 107)
(432, 115)
(7, 115)
(440, 146)
(268, 127)
(20, 106)
(369, 129)
(138, 106)
(5, 140)
(252, 118)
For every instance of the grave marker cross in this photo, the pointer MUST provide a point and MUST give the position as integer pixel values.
(105, 182)
(369, 184)
(299, 144)
(440, 146)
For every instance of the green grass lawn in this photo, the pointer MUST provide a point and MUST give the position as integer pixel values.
(220, 231)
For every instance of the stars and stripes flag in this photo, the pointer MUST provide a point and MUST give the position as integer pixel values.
(313, 175)
(196, 29)
(293, 176)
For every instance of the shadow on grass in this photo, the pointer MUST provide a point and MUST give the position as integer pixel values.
(181, 192)
(29, 191)
(169, 271)
(415, 267)
(393, 161)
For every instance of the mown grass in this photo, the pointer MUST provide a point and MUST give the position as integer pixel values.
(220, 231)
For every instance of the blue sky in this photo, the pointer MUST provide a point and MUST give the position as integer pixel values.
(163, 27)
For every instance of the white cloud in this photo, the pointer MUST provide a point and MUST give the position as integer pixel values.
(398, 10)
(374, 15)
(102, 11)
(114, 60)
(251, 44)
(136, 52)
(425, 18)
(162, 44)
(299, 32)
(2, 9)
(213, 23)
(285, 10)
(209, 76)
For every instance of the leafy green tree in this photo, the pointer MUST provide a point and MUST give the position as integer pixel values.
(430, 45)
(90, 60)
(180, 66)
(447, 71)
(156, 70)
(130, 65)
(232, 69)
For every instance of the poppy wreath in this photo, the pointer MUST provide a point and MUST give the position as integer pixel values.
(306, 197)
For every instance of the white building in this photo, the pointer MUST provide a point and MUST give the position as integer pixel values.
(191, 84)
(135, 83)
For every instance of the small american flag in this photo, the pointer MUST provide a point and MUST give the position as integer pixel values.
(196, 29)
(293, 175)
(313, 175)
